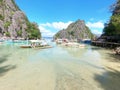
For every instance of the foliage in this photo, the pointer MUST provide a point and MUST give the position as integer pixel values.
(71, 33)
(33, 31)
(15, 5)
(1, 2)
(12, 12)
(7, 24)
(7, 34)
(57, 35)
(19, 32)
(1, 17)
(113, 27)
(115, 8)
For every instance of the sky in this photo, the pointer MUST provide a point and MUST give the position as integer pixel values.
(55, 15)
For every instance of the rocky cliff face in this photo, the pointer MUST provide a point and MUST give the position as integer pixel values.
(13, 22)
(76, 30)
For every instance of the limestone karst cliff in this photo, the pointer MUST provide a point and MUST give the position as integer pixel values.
(14, 23)
(76, 30)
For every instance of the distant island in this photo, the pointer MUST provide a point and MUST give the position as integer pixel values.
(76, 30)
(14, 23)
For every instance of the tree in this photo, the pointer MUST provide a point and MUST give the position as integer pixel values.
(113, 27)
(116, 8)
(33, 31)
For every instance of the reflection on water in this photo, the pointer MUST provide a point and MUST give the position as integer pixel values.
(57, 68)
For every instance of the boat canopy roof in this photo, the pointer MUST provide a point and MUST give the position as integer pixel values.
(37, 41)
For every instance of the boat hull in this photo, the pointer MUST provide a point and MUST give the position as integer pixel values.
(25, 46)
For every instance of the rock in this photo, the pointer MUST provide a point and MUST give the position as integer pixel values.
(13, 22)
(76, 30)
(1, 27)
(117, 50)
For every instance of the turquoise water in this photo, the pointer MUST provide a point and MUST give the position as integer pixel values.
(57, 68)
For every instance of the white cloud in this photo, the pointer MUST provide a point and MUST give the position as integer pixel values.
(50, 34)
(56, 25)
(46, 24)
(47, 28)
(45, 32)
(96, 31)
(96, 27)
(60, 25)
(98, 24)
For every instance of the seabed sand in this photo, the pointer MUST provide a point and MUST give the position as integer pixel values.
(59, 69)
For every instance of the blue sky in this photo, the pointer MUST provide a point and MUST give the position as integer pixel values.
(54, 15)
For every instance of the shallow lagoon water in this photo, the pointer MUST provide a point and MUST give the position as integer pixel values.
(58, 68)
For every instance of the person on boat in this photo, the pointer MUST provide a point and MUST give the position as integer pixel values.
(33, 45)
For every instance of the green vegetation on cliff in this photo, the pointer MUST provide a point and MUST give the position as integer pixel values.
(33, 31)
(112, 28)
(76, 30)
(1, 17)
(14, 23)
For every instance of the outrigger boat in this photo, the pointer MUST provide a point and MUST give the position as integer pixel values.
(42, 44)
(25, 46)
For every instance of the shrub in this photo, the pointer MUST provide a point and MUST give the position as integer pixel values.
(1, 17)
(7, 34)
(19, 33)
(7, 24)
